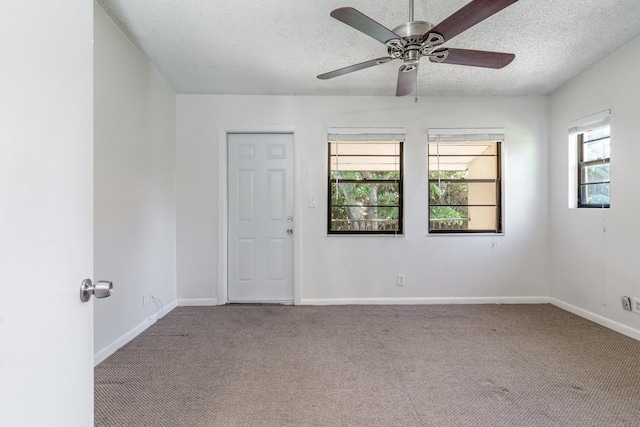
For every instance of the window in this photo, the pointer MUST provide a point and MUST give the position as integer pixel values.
(365, 184)
(465, 183)
(590, 161)
(594, 169)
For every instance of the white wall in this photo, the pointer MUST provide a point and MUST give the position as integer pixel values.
(362, 269)
(135, 197)
(591, 269)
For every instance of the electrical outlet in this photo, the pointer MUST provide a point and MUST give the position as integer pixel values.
(635, 305)
(146, 298)
(400, 279)
(626, 303)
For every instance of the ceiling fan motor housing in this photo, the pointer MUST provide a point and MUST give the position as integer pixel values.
(413, 31)
(411, 47)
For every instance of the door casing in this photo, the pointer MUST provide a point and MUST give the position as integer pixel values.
(223, 207)
(260, 166)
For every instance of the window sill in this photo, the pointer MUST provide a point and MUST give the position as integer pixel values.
(365, 235)
(464, 234)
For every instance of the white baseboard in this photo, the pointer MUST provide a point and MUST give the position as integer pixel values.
(197, 302)
(596, 318)
(424, 301)
(166, 310)
(141, 327)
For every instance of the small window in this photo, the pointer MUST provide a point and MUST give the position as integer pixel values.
(365, 184)
(594, 168)
(589, 161)
(465, 184)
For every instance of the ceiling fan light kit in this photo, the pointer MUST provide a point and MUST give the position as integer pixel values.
(413, 40)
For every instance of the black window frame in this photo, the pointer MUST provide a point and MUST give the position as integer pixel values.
(497, 181)
(399, 182)
(583, 165)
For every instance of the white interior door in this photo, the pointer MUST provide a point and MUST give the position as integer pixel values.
(260, 235)
(46, 213)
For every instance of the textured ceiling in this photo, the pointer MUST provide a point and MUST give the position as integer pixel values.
(278, 47)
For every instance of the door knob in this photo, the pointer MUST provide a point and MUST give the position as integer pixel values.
(289, 230)
(101, 289)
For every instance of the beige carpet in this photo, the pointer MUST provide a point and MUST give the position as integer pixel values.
(457, 365)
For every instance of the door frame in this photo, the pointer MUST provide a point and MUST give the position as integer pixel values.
(223, 206)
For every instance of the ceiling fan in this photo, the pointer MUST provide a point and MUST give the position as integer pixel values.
(414, 39)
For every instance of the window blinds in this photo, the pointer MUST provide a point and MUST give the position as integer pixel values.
(366, 137)
(465, 135)
(591, 122)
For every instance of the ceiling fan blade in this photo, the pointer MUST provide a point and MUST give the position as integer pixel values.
(407, 80)
(354, 67)
(468, 16)
(474, 58)
(363, 23)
